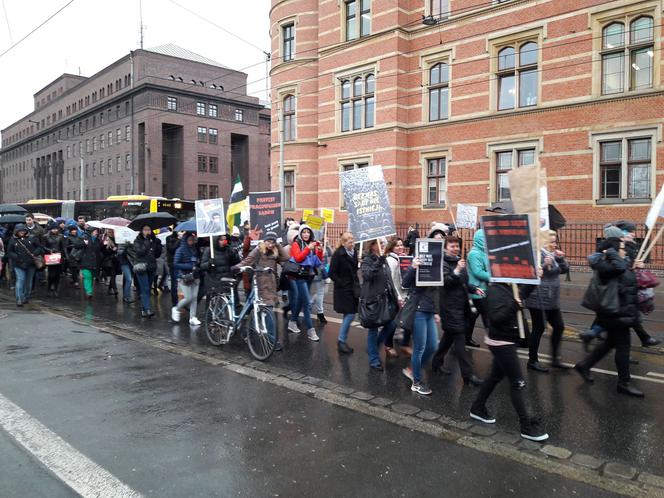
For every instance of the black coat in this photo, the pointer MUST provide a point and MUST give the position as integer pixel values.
(55, 243)
(427, 297)
(609, 266)
(91, 252)
(73, 251)
(454, 307)
(21, 252)
(147, 251)
(109, 257)
(502, 310)
(219, 266)
(343, 272)
(172, 244)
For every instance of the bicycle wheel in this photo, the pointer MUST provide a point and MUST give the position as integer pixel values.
(218, 320)
(262, 337)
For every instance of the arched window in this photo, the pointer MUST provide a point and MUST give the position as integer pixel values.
(641, 30)
(289, 120)
(613, 35)
(518, 77)
(439, 91)
(358, 102)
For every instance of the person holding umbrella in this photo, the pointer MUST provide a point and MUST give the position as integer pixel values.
(147, 248)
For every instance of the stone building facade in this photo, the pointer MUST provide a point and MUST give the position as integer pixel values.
(163, 121)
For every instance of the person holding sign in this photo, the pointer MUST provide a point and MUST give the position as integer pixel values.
(478, 276)
(343, 272)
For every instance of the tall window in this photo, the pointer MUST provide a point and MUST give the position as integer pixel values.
(213, 111)
(506, 160)
(439, 77)
(288, 34)
(118, 135)
(213, 134)
(239, 115)
(118, 164)
(625, 166)
(202, 191)
(439, 9)
(436, 181)
(110, 138)
(214, 164)
(289, 123)
(128, 133)
(200, 108)
(358, 23)
(202, 163)
(289, 190)
(202, 134)
(633, 50)
(127, 162)
(172, 104)
(102, 141)
(517, 76)
(358, 102)
(213, 191)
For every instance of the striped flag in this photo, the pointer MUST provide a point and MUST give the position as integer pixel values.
(236, 206)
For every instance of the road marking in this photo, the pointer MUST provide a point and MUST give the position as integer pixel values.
(73, 468)
(655, 374)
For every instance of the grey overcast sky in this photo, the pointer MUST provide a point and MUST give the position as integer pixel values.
(91, 34)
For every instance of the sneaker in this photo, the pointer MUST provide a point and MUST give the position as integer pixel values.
(175, 314)
(483, 415)
(530, 429)
(408, 373)
(311, 334)
(420, 388)
(292, 327)
(194, 321)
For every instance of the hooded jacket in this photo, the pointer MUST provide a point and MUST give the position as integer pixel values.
(91, 252)
(172, 244)
(55, 243)
(22, 250)
(220, 265)
(266, 282)
(186, 257)
(610, 265)
(478, 264)
(300, 252)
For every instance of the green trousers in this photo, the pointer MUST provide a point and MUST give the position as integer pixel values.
(88, 281)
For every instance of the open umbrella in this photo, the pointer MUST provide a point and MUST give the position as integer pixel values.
(42, 218)
(154, 220)
(556, 219)
(187, 226)
(116, 221)
(12, 218)
(11, 209)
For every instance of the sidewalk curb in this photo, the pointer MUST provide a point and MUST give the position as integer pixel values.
(552, 459)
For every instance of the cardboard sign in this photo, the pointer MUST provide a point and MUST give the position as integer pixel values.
(315, 222)
(327, 214)
(368, 203)
(430, 252)
(306, 213)
(405, 263)
(509, 247)
(210, 217)
(466, 216)
(265, 212)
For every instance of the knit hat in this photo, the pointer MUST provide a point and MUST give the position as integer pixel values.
(270, 236)
(52, 225)
(438, 228)
(613, 231)
(626, 226)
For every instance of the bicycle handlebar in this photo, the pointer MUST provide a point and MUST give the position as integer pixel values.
(244, 269)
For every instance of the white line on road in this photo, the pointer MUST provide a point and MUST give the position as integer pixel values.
(73, 468)
(655, 374)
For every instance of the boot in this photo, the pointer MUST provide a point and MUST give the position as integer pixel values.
(344, 348)
(321, 318)
(629, 389)
(584, 373)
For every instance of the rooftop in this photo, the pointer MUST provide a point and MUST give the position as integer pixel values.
(176, 51)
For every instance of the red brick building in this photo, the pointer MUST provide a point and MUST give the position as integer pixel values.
(448, 95)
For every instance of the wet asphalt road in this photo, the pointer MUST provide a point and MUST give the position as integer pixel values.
(167, 425)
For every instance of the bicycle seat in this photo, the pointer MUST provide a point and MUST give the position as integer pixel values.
(226, 280)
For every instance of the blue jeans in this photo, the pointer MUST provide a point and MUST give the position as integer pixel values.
(345, 326)
(24, 279)
(144, 284)
(425, 342)
(300, 301)
(375, 339)
(126, 281)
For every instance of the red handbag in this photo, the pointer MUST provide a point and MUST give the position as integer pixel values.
(646, 279)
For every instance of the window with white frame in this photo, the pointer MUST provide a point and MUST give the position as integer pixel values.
(627, 55)
(289, 120)
(436, 181)
(439, 80)
(202, 134)
(288, 40)
(506, 159)
(517, 75)
(358, 102)
(200, 108)
(289, 190)
(172, 104)
(213, 135)
(358, 18)
(239, 115)
(213, 110)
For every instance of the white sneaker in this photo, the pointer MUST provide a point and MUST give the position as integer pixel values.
(292, 326)
(311, 334)
(175, 314)
(194, 321)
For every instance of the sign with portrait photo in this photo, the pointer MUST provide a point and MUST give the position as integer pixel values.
(210, 217)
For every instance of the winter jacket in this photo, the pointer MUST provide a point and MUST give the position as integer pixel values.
(21, 251)
(395, 272)
(412, 236)
(73, 251)
(610, 265)
(260, 257)
(428, 298)
(147, 251)
(186, 258)
(502, 311)
(172, 243)
(343, 272)
(90, 248)
(454, 307)
(546, 296)
(219, 266)
(36, 231)
(109, 256)
(55, 243)
(478, 264)
(301, 254)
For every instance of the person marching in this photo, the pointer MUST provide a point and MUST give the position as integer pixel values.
(343, 272)
(90, 248)
(21, 253)
(146, 248)
(394, 249)
(219, 266)
(544, 306)
(54, 243)
(73, 254)
(186, 264)
(110, 263)
(478, 276)
(319, 284)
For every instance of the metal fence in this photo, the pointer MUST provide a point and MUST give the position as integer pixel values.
(578, 240)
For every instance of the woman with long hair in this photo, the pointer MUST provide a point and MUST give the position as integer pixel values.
(343, 272)
(308, 254)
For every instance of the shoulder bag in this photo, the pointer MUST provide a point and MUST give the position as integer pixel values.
(602, 297)
(406, 317)
(38, 260)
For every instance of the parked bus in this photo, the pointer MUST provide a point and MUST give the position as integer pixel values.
(124, 206)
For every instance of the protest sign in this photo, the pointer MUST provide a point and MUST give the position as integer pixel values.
(544, 208)
(656, 209)
(315, 222)
(368, 203)
(525, 183)
(210, 219)
(306, 213)
(265, 212)
(509, 247)
(327, 214)
(405, 262)
(466, 216)
(430, 252)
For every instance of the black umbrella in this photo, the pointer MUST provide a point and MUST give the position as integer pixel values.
(502, 207)
(11, 209)
(153, 220)
(12, 218)
(556, 219)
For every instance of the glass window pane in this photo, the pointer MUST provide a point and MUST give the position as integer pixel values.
(443, 113)
(345, 89)
(369, 111)
(613, 73)
(641, 30)
(345, 116)
(639, 149)
(370, 84)
(528, 88)
(610, 176)
(506, 92)
(527, 157)
(613, 35)
(434, 77)
(365, 19)
(503, 188)
(528, 54)
(357, 87)
(504, 160)
(357, 114)
(444, 73)
(433, 167)
(434, 97)
(506, 58)
(642, 69)
(639, 181)
(611, 152)
(441, 166)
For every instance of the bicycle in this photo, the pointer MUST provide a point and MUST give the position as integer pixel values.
(222, 321)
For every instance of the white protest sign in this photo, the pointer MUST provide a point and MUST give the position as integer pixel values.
(656, 210)
(544, 208)
(210, 217)
(466, 216)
